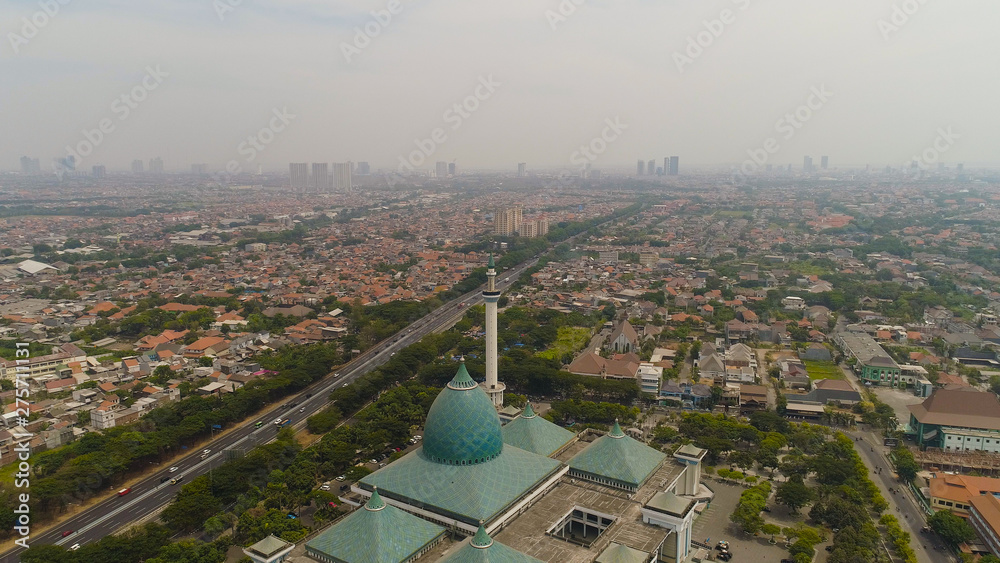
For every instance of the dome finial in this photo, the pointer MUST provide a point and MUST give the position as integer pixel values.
(462, 379)
(616, 431)
(482, 540)
(528, 411)
(375, 502)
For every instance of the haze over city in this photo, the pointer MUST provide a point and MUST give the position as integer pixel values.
(562, 68)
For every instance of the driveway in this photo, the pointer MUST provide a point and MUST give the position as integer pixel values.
(713, 524)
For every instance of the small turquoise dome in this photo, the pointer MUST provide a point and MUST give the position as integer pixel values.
(463, 427)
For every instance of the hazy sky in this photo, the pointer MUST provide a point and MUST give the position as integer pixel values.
(557, 80)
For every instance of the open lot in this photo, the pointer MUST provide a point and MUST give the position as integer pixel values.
(823, 370)
(569, 340)
(898, 399)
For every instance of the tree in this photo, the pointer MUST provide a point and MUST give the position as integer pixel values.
(794, 493)
(951, 528)
(906, 466)
(771, 530)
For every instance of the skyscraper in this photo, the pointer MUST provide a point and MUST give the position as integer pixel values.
(30, 166)
(441, 169)
(99, 171)
(156, 165)
(807, 164)
(321, 177)
(640, 167)
(490, 295)
(507, 221)
(666, 164)
(363, 169)
(342, 176)
(299, 172)
(522, 169)
(651, 168)
(451, 169)
(137, 166)
(675, 162)
(824, 162)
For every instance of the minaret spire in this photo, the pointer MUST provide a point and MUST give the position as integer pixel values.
(490, 295)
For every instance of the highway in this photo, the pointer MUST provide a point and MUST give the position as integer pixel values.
(150, 494)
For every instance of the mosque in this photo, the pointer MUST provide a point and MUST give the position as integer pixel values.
(524, 492)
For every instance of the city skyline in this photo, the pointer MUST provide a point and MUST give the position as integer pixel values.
(734, 89)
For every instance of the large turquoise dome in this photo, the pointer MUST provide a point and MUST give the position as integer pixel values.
(463, 427)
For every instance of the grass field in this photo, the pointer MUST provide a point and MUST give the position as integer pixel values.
(823, 370)
(570, 339)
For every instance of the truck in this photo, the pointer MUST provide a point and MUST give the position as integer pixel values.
(282, 423)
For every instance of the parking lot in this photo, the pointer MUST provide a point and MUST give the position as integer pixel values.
(713, 524)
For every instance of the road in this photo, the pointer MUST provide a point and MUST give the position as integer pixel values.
(902, 504)
(149, 495)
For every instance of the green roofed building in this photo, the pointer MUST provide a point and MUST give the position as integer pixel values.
(533, 433)
(483, 549)
(618, 553)
(377, 533)
(471, 476)
(617, 460)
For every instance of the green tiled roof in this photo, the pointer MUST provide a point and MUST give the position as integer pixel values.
(490, 264)
(379, 533)
(483, 549)
(617, 457)
(618, 553)
(462, 426)
(468, 493)
(535, 434)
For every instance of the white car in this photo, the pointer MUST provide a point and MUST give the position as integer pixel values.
(172, 469)
(325, 488)
(75, 547)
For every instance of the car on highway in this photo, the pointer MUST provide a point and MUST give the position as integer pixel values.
(259, 424)
(75, 547)
(336, 375)
(345, 385)
(303, 409)
(177, 479)
(67, 532)
(124, 491)
(204, 453)
(172, 469)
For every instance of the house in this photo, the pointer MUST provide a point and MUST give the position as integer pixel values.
(624, 367)
(793, 303)
(752, 398)
(954, 493)
(957, 420)
(826, 391)
(207, 346)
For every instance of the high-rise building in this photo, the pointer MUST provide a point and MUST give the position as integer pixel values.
(137, 166)
(535, 228)
(491, 295)
(451, 169)
(824, 162)
(441, 169)
(299, 172)
(522, 168)
(507, 221)
(960, 167)
(321, 177)
(666, 164)
(675, 162)
(651, 168)
(99, 171)
(640, 167)
(807, 164)
(199, 168)
(30, 166)
(156, 165)
(363, 169)
(342, 172)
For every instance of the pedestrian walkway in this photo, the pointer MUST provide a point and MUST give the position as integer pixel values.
(706, 516)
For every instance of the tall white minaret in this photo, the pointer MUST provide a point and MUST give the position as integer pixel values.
(490, 295)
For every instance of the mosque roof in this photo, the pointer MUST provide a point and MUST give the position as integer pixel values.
(483, 549)
(462, 425)
(533, 433)
(378, 533)
(617, 457)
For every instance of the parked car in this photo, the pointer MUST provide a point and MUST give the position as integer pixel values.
(341, 478)
(722, 545)
(725, 556)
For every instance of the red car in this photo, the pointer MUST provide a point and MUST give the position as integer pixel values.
(124, 492)
(68, 532)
